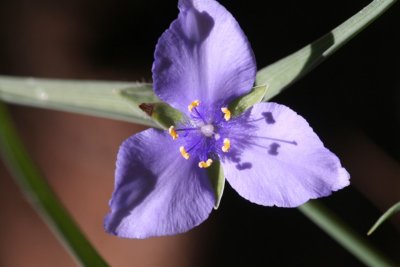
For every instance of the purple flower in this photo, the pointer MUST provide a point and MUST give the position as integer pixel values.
(269, 154)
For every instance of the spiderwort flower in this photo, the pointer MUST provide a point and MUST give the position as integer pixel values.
(269, 154)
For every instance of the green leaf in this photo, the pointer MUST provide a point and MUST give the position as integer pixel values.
(387, 215)
(286, 71)
(41, 196)
(217, 178)
(98, 98)
(358, 245)
(246, 101)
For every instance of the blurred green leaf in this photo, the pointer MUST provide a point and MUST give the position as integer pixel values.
(41, 196)
(286, 71)
(387, 215)
(359, 246)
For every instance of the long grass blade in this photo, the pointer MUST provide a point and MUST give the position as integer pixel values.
(41, 196)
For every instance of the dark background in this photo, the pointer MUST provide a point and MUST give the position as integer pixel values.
(351, 101)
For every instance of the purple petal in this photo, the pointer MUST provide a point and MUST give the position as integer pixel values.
(204, 55)
(280, 160)
(157, 192)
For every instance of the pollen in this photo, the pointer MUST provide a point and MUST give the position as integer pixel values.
(227, 113)
(194, 104)
(227, 145)
(205, 164)
(173, 133)
(184, 154)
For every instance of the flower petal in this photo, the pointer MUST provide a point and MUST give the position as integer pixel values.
(204, 55)
(157, 192)
(281, 161)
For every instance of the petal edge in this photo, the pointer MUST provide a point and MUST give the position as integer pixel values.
(204, 55)
(288, 165)
(156, 193)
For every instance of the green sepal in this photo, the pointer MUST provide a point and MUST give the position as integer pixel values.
(217, 178)
(244, 102)
(389, 213)
(162, 113)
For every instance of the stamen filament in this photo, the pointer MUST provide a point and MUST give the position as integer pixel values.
(193, 106)
(186, 129)
(190, 149)
(227, 145)
(184, 154)
(205, 164)
(172, 132)
(227, 113)
(198, 114)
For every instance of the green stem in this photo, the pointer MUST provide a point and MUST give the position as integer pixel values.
(41, 196)
(343, 234)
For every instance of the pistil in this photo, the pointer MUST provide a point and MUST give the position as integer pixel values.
(207, 130)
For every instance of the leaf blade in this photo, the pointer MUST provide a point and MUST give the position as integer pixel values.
(286, 71)
(360, 247)
(385, 216)
(41, 196)
(96, 98)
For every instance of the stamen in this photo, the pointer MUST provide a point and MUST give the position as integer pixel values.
(173, 133)
(184, 154)
(227, 145)
(227, 113)
(205, 164)
(194, 104)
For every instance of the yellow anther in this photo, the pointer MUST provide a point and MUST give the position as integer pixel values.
(227, 145)
(184, 154)
(173, 133)
(205, 164)
(194, 104)
(227, 113)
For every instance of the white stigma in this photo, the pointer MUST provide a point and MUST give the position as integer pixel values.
(207, 130)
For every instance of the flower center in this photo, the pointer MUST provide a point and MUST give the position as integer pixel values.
(207, 130)
(197, 135)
